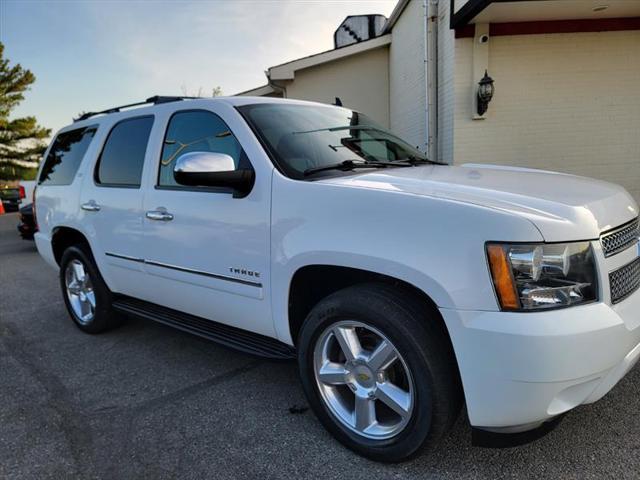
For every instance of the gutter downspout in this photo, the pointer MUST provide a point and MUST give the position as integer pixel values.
(430, 8)
(275, 86)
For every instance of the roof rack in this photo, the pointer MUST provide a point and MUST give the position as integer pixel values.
(155, 100)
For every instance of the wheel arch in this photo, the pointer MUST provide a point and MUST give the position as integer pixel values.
(311, 283)
(63, 237)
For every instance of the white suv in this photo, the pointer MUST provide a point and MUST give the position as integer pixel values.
(403, 287)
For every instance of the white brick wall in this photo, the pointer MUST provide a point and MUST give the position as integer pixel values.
(407, 92)
(446, 87)
(567, 102)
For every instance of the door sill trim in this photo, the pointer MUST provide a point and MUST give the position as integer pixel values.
(232, 337)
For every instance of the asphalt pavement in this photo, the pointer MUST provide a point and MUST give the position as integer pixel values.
(147, 401)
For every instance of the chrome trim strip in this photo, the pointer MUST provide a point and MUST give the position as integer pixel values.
(186, 270)
(124, 257)
(204, 274)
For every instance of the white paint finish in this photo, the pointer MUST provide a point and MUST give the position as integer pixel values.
(424, 225)
(43, 245)
(396, 223)
(211, 233)
(562, 207)
(532, 361)
(360, 81)
(119, 217)
(564, 102)
(407, 84)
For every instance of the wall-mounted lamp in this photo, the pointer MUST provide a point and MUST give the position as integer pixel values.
(485, 93)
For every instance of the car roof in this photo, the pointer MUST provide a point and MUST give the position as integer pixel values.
(179, 104)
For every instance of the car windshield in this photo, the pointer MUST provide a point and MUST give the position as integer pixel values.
(306, 138)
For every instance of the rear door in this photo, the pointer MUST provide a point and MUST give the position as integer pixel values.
(111, 204)
(209, 254)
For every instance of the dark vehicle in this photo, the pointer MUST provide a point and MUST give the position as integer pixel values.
(11, 197)
(27, 225)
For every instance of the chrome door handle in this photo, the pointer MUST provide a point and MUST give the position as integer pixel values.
(90, 206)
(159, 215)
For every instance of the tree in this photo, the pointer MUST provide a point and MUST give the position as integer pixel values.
(215, 91)
(21, 139)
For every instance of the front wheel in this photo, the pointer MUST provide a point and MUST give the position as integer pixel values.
(378, 371)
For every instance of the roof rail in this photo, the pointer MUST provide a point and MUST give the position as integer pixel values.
(155, 100)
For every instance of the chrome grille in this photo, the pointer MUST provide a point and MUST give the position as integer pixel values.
(620, 238)
(625, 281)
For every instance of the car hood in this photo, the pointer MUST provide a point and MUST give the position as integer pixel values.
(563, 207)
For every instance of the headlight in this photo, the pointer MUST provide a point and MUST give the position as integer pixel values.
(539, 276)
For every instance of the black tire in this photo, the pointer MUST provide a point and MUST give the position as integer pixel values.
(104, 317)
(422, 341)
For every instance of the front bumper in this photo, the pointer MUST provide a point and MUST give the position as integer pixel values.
(521, 369)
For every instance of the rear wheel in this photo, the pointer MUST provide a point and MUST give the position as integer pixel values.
(378, 371)
(86, 296)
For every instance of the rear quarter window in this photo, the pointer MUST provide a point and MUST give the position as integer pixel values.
(65, 156)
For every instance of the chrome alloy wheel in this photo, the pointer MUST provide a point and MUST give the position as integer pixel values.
(80, 291)
(363, 380)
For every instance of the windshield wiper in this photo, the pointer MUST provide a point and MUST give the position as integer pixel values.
(347, 165)
(411, 160)
(337, 129)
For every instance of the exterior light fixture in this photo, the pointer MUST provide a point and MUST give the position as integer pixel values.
(485, 93)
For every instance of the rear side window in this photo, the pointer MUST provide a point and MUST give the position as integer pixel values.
(122, 158)
(65, 156)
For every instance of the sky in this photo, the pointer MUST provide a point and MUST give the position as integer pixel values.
(90, 55)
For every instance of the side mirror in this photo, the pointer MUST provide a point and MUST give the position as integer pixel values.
(209, 169)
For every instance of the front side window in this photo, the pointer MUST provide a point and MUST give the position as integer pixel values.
(65, 156)
(304, 138)
(197, 131)
(122, 157)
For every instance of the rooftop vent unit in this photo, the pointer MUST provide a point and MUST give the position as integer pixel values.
(358, 28)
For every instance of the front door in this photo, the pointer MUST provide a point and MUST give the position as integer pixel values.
(206, 252)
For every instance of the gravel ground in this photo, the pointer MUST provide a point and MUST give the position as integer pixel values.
(146, 401)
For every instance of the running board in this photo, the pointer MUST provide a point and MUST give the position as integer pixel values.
(236, 338)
